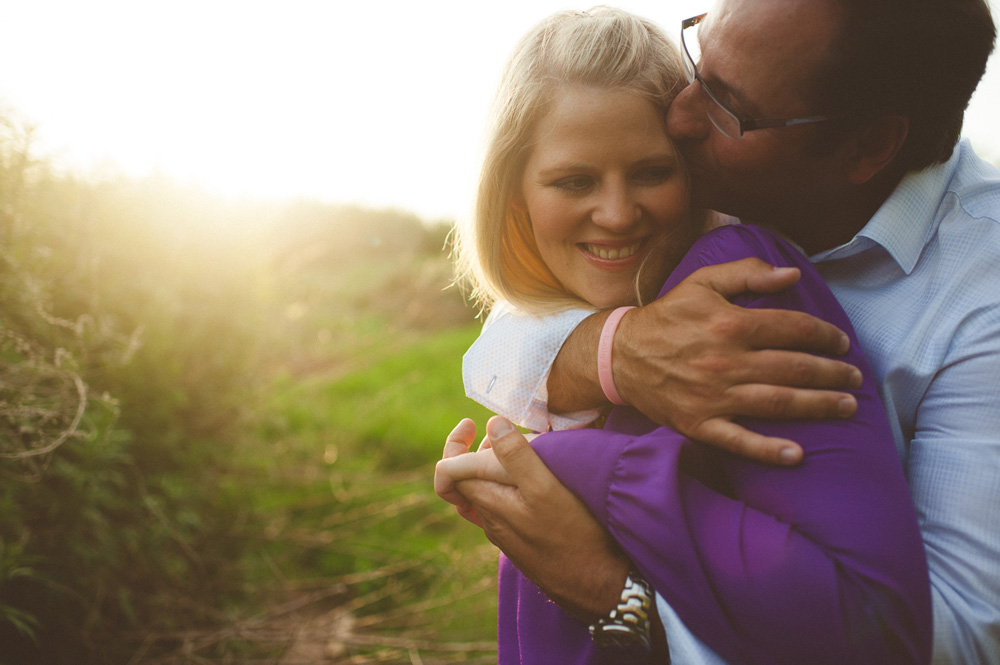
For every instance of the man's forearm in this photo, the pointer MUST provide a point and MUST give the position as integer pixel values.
(562, 582)
(694, 361)
(573, 384)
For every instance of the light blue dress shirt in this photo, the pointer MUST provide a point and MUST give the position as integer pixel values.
(921, 284)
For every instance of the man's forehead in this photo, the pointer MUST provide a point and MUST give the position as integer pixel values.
(773, 23)
(778, 42)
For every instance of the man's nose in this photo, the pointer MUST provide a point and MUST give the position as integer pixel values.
(617, 209)
(687, 118)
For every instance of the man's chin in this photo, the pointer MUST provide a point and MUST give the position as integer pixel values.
(702, 198)
(705, 191)
(716, 202)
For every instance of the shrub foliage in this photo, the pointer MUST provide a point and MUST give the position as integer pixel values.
(141, 327)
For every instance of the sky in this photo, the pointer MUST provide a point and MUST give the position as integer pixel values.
(377, 103)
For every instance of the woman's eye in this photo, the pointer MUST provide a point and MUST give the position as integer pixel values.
(573, 184)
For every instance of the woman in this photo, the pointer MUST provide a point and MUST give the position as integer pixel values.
(584, 199)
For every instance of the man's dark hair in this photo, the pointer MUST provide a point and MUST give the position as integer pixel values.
(918, 58)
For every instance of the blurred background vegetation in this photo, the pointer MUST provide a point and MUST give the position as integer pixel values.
(218, 423)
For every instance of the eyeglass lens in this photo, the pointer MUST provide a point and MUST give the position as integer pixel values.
(720, 116)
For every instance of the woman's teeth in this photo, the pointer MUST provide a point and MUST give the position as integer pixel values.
(613, 254)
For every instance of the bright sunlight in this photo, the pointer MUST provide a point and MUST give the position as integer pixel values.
(380, 104)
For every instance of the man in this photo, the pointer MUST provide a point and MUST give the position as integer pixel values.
(862, 171)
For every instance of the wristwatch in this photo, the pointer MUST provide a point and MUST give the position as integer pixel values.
(628, 623)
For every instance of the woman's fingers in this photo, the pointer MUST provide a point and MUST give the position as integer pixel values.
(461, 438)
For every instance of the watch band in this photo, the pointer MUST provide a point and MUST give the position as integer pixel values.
(628, 623)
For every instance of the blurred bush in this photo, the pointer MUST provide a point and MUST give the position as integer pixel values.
(140, 326)
(128, 343)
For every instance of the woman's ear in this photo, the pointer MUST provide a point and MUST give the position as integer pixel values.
(875, 146)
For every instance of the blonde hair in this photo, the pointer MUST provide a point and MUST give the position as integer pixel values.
(603, 48)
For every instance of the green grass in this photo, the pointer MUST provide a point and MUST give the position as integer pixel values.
(345, 487)
(396, 411)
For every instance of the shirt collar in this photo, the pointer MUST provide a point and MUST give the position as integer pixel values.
(906, 220)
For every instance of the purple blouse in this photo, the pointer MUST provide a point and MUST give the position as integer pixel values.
(821, 563)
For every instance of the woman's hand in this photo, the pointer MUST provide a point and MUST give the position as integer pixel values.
(542, 527)
(457, 463)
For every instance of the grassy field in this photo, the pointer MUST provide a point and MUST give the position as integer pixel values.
(350, 509)
(349, 555)
(218, 426)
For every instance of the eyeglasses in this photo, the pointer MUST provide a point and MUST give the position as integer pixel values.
(722, 118)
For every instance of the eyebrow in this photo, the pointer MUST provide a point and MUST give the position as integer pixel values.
(663, 159)
(657, 158)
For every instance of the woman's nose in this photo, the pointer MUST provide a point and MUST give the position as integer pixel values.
(617, 208)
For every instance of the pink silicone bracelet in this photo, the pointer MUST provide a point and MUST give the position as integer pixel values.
(604, 355)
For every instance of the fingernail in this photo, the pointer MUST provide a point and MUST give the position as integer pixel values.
(846, 407)
(857, 378)
(499, 427)
(845, 344)
(789, 455)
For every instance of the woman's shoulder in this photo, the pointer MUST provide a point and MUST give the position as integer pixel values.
(732, 243)
(739, 241)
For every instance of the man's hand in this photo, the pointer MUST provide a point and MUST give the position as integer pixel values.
(539, 524)
(694, 361)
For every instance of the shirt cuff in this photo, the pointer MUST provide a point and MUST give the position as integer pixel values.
(507, 368)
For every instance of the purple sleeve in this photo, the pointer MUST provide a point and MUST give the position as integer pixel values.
(822, 563)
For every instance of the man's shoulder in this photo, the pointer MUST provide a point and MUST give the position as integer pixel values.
(968, 218)
(975, 184)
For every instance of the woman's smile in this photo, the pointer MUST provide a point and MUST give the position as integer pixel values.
(616, 253)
